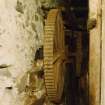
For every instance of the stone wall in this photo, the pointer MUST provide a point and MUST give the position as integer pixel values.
(21, 33)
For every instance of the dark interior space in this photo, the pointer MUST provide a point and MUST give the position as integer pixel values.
(75, 16)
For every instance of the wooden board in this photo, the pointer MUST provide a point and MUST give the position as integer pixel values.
(95, 54)
(103, 55)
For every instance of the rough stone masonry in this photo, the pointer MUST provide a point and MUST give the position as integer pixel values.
(21, 33)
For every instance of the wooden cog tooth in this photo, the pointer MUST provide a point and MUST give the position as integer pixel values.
(50, 41)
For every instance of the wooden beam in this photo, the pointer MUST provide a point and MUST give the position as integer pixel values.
(95, 53)
(103, 56)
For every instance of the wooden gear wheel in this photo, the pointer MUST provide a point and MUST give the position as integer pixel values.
(54, 55)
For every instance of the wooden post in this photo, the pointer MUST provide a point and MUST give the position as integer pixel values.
(103, 55)
(95, 53)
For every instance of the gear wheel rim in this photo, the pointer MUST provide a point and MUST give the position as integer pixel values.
(54, 89)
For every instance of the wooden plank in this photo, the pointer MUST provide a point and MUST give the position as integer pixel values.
(103, 56)
(93, 4)
(95, 54)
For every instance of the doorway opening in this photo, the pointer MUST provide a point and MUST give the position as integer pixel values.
(75, 16)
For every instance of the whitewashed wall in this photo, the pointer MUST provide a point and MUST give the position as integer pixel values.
(21, 33)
